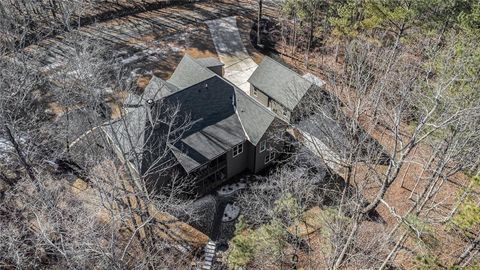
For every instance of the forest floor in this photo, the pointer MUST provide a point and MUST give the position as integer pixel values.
(147, 43)
(153, 42)
(401, 194)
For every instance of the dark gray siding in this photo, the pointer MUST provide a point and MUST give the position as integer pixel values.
(260, 96)
(238, 164)
(260, 156)
(279, 110)
(251, 152)
(272, 145)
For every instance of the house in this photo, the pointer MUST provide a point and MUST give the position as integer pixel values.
(199, 125)
(281, 89)
(295, 98)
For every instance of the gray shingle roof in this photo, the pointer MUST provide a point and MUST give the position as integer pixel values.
(189, 73)
(209, 62)
(155, 90)
(314, 79)
(256, 119)
(128, 134)
(280, 83)
(222, 116)
(216, 127)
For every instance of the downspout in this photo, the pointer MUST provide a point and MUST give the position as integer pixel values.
(255, 160)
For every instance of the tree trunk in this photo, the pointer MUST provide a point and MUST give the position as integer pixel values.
(260, 7)
(406, 170)
(20, 154)
(347, 245)
(336, 51)
(468, 250)
(309, 44)
(393, 253)
(294, 36)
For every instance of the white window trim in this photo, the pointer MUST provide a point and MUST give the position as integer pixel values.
(269, 157)
(263, 146)
(237, 148)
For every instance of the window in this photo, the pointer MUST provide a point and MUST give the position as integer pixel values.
(269, 157)
(263, 146)
(255, 93)
(284, 112)
(237, 149)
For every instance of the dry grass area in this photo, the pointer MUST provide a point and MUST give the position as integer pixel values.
(201, 44)
(198, 44)
(166, 227)
(398, 195)
(244, 25)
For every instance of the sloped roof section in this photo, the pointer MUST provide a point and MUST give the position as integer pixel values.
(209, 62)
(155, 90)
(315, 80)
(188, 73)
(215, 129)
(220, 115)
(128, 134)
(280, 83)
(255, 118)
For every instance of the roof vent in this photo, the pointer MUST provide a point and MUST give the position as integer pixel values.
(206, 85)
(150, 101)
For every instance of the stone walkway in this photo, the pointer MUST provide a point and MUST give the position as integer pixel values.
(239, 66)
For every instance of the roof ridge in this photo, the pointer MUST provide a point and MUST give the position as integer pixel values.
(184, 89)
(198, 64)
(241, 124)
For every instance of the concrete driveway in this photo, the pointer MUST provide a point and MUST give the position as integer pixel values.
(231, 51)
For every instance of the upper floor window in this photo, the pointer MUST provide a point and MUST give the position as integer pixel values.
(284, 112)
(255, 93)
(263, 145)
(237, 149)
(269, 157)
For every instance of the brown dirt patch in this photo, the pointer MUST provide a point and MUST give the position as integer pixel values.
(196, 53)
(398, 195)
(143, 81)
(244, 27)
(55, 109)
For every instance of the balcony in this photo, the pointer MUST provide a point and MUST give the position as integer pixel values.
(211, 168)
